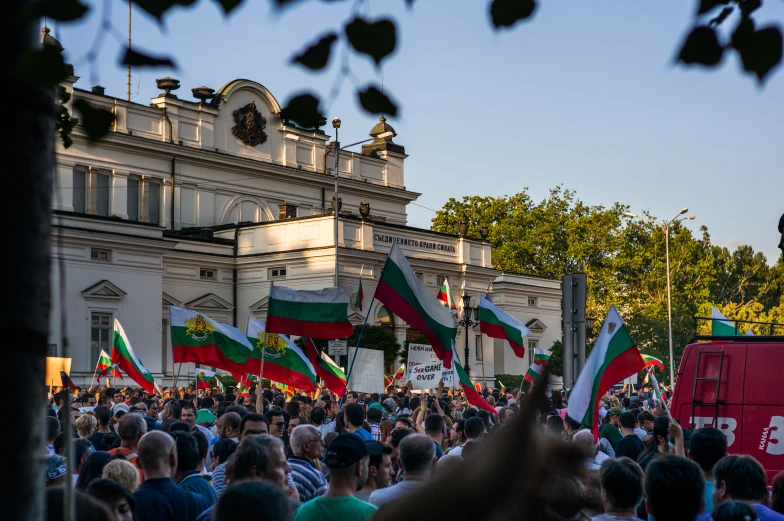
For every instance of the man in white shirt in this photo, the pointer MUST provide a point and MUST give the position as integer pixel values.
(474, 430)
(418, 458)
(622, 481)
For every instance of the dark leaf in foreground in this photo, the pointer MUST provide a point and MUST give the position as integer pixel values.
(376, 102)
(749, 6)
(157, 8)
(701, 47)
(506, 13)
(229, 5)
(59, 10)
(96, 122)
(43, 67)
(376, 39)
(303, 109)
(316, 56)
(719, 19)
(138, 59)
(707, 6)
(760, 51)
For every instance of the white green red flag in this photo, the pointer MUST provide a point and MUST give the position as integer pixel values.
(655, 388)
(401, 291)
(284, 361)
(199, 339)
(497, 323)
(360, 295)
(220, 385)
(203, 377)
(318, 314)
(397, 376)
(653, 362)
(112, 369)
(534, 372)
(542, 356)
(333, 376)
(471, 392)
(614, 358)
(721, 325)
(103, 367)
(445, 296)
(124, 356)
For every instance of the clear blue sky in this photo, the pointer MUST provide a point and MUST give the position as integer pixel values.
(584, 95)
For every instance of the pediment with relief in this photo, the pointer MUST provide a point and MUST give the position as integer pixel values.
(356, 319)
(535, 325)
(167, 300)
(260, 306)
(103, 290)
(210, 301)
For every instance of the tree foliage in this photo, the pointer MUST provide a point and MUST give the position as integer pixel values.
(759, 49)
(625, 262)
(374, 337)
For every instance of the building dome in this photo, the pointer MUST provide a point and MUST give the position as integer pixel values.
(49, 40)
(381, 127)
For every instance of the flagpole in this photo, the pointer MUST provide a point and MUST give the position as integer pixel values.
(177, 376)
(94, 373)
(356, 349)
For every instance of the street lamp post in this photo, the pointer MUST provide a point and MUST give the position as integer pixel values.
(667, 225)
(336, 125)
(467, 323)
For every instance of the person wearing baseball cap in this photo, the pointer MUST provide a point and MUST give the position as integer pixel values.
(347, 458)
(610, 430)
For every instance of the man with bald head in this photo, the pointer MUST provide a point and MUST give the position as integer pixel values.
(159, 499)
(228, 426)
(417, 456)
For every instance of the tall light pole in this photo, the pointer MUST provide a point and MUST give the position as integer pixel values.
(338, 148)
(666, 226)
(467, 323)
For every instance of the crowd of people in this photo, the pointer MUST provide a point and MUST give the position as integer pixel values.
(188, 455)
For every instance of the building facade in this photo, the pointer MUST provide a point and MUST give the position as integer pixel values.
(204, 204)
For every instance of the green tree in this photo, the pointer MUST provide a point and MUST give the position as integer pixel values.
(374, 337)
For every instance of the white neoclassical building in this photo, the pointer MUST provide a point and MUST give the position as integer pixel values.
(203, 204)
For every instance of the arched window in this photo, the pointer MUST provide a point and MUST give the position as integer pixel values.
(246, 210)
(384, 317)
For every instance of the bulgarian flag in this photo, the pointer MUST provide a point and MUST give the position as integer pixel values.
(202, 340)
(651, 361)
(497, 323)
(126, 359)
(220, 385)
(445, 296)
(534, 372)
(542, 356)
(284, 361)
(326, 369)
(472, 393)
(721, 326)
(397, 376)
(318, 314)
(614, 357)
(203, 378)
(360, 295)
(103, 367)
(401, 291)
(67, 382)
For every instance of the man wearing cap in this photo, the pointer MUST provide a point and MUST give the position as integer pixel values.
(347, 459)
(380, 469)
(610, 430)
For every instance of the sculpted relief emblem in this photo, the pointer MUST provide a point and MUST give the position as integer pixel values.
(249, 125)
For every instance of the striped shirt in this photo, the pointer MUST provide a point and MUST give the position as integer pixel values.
(309, 480)
(219, 480)
(375, 431)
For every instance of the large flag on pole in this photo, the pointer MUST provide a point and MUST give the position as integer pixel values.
(472, 395)
(401, 291)
(317, 314)
(497, 323)
(721, 326)
(103, 367)
(124, 356)
(651, 361)
(333, 376)
(445, 295)
(614, 357)
(284, 361)
(199, 339)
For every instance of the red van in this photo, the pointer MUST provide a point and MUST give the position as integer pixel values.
(736, 384)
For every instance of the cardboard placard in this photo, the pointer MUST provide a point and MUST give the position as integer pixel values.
(424, 368)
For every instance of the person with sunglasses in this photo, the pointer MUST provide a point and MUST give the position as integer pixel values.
(307, 448)
(277, 423)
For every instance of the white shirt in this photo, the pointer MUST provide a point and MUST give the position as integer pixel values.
(383, 496)
(641, 433)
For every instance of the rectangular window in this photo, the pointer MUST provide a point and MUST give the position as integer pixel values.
(478, 343)
(133, 199)
(277, 273)
(79, 190)
(154, 202)
(533, 345)
(532, 301)
(102, 195)
(207, 274)
(100, 255)
(101, 331)
(287, 211)
(440, 280)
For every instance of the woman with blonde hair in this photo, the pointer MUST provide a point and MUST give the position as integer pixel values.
(86, 425)
(123, 472)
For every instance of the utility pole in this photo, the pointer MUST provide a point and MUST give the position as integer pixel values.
(129, 48)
